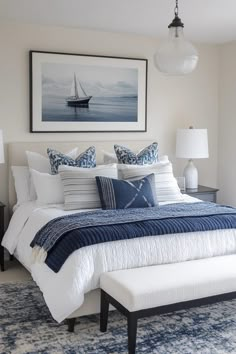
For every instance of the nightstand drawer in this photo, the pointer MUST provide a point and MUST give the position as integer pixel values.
(207, 194)
(207, 197)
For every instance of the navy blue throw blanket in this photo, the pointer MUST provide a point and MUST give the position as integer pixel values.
(60, 237)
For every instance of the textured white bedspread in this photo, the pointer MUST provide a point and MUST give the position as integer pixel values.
(64, 291)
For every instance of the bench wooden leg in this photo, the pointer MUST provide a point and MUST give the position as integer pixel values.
(132, 332)
(71, 324)
(104, 312)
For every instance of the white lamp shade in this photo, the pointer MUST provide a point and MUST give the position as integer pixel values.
(2, 160)
(192, 143)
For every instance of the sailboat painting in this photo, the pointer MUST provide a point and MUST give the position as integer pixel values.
(78, 96)
(86, 93)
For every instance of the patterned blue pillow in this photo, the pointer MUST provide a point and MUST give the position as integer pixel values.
(87, 159)
(146, 156)
(120, 194)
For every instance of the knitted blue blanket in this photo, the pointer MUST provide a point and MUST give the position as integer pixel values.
(62, 236)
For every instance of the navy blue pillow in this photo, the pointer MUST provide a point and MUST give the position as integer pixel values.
(120, 194)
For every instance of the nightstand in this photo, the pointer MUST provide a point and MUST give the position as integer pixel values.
(2, 206)
(204, 193)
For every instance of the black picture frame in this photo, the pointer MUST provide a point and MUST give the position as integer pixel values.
(43, 118)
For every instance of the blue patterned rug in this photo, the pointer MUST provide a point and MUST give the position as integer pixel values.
(27, 327)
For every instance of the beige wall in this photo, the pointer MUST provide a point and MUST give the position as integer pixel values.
(173, 102)
(227, 126)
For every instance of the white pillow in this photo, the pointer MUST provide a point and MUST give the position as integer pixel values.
(80, 188)
(48, 188)
(166, 185)
(23, 186)
(109, 157)
(41, 163)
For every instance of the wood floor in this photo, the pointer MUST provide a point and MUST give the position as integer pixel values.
(14, 271)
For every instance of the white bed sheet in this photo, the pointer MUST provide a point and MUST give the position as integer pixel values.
(64, 291)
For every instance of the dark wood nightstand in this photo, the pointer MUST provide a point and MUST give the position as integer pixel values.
(204, 193)
(2, 206)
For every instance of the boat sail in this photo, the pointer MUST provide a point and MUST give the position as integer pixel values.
(78, 96)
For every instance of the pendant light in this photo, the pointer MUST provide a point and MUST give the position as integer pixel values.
(176, 56)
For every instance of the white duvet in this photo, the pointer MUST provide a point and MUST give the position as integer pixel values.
(64, 291)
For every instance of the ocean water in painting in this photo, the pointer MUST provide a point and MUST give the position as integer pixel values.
(89, 93)
(99, 109)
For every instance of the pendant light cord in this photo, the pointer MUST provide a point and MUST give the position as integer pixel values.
(176, 8)
(176, 21)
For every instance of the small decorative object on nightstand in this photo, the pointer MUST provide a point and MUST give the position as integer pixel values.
(1, 235)
(204, 193)
(181, 183)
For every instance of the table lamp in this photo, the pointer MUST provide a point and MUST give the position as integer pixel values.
(2, 160)
(191, 144)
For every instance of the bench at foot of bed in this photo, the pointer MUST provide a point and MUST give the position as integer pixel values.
(148, 291)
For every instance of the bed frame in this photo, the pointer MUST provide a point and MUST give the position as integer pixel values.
(17, 157)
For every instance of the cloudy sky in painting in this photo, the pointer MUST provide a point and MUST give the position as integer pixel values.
(96, 81)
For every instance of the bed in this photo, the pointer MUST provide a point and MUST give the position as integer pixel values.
(74, 290)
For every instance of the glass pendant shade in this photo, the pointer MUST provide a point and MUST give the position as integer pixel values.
(176, 56)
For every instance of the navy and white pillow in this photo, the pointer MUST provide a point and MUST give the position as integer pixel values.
(119, 194)
(86, 160)
(146, 156)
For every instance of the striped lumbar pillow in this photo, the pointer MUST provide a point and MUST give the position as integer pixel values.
(80, 188)
(119, 194)
(166, 185)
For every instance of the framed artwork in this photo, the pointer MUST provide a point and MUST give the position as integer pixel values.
(87, 93)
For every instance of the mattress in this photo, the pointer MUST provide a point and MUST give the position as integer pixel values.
(64, 291)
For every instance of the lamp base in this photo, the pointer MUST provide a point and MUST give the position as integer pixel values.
(191, 176)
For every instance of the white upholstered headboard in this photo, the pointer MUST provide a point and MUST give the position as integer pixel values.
(17, 156)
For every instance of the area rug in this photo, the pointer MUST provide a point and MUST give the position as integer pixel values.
(26, 326)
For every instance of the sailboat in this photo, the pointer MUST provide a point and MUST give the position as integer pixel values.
(78, 96)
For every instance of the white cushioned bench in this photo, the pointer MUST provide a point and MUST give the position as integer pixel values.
(146, 291)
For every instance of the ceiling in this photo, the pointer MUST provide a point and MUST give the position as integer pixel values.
(210, 21)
